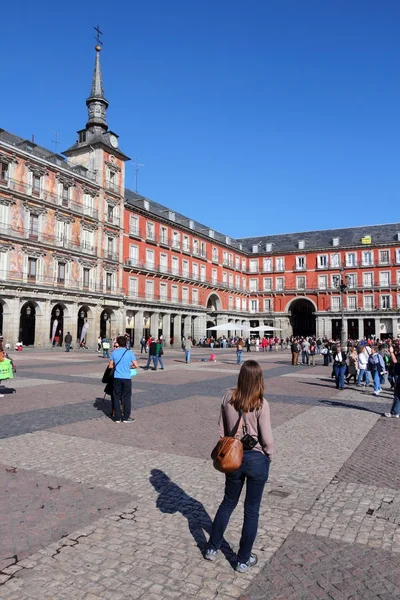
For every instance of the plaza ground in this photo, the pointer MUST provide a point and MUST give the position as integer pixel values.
(94, 510)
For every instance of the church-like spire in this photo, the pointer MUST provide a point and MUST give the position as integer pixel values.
(96, 103)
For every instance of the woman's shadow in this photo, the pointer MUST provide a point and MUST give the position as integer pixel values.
(172, 499)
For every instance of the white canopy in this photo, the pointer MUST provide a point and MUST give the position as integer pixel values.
(228, 327)
(263, 328)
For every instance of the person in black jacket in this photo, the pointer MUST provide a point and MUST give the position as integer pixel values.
(339, 366)
(68, 342)
(152, 355)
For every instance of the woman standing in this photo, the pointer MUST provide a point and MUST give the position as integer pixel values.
(246, 400)
(352, 366)
(239, 351)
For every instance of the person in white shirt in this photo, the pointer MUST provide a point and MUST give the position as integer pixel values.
(362, 366)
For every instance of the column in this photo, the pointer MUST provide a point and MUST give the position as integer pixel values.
(11, 319)
(166, 328)
(139, 318)
(42, 324)
(395, 327)
(177, 331)
(187, 325)
(154, 324)
(360, 329)
(199, 329)
(328, 325)
(377, 328)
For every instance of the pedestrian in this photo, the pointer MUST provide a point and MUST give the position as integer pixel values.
(158, 357)
(68, 342)
(395, 360)
(247, 401)
(363, 372)
(151, 354)
(313, 351)
(339, 366)
(187, 346)
(376, 366)
(143, 346)
(239, 351)
(105, 344)
(99, 343)
(352, 366)
(295, 348)
(305, 351)
(122, 361)
(248, 345)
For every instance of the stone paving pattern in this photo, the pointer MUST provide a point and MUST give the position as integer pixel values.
(95, 510)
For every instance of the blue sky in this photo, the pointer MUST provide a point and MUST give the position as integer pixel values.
(254, 117)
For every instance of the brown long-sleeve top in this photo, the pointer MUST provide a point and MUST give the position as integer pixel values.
(258, 423)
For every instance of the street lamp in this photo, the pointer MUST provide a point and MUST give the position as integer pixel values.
(341, 284)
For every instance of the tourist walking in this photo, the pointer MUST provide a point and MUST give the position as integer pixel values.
(122, 361)
(187, 346)
(339, 366)
(363, 373)
(376, 366)
(158, 357)
(152, 354)
(105, 344)
(143, 345)
(248, 345)
(244, 405)
(312, 353)
(395, 360)
(295, 348)
(305, 351)
(68, 342)
(239, 351)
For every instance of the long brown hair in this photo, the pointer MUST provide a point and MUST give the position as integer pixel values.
(249, 392)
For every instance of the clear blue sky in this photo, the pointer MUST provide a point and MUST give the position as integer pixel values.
(254, 117)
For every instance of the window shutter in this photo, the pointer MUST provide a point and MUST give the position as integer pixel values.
(25, 272)
(39, 266)
(29, 182)
(92, 279)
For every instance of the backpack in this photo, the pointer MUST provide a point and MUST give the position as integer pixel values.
(312, 348)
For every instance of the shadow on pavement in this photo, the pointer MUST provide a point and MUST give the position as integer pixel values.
(104, 405)
(346, 405)
(174, 499)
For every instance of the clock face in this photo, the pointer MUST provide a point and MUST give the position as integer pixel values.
(113, 141)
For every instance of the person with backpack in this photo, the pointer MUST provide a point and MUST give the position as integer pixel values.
(376, 367)
(295, 349)
(313, 351)
(159, 352)
(244, 408)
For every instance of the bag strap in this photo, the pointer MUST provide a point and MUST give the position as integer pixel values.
(235, 432)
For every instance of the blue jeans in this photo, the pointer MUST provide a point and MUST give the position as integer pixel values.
(254, 470)
(239, 357)
(361, 375)
(158, 359)
(395, 410)
(304, 357)
(150, 358)
(339, 375)
(187, 356)
(377, 380)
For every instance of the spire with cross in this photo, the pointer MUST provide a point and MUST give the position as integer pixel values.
(96, 103)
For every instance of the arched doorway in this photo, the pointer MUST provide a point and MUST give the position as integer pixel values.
(27, 324)
(105, 324)
(213, 303)
(57, 324)
(82, 325)
(302, 317)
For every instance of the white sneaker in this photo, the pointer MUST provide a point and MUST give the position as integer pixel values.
(390, 416)
(377, 392)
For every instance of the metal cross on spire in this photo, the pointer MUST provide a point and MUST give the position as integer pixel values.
(98, 34)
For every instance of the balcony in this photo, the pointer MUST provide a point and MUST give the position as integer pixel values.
(135, 232)
(88, 248)
(112, 220)
(112, 186)
(111, 256)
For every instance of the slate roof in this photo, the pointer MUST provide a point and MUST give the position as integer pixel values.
(349, 237)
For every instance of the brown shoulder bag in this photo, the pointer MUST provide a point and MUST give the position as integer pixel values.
(227, 455)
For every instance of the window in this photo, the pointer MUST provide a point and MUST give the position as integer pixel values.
(351, 302)
(211, 233)
(335, 260)
(244, 264)
(254, 306)
(164, 236)
(237, 281)
(163, 263)
(150, 231)
(33, 227)
(237, 263)
(280, 284)
(224, 277)
(149, 289)
(368, 302)
(300, 263)
(267, 305)
(86, 277)
(244, 282)
(244, 304)
(88, 203)
(230, 303)
(185, 268)
(163, 292)
(110, 248)
(301, 244)
(195, 296)
(397, 256)
(224, 258)
(109, 282)
(186, 245)
(384, 257)
(32, 269)
(254, 248)
(36, 185)
(215, 254)
(4, 172)
(368, 280)
(230, 259)
(61, 273)
(146, 204)
(351, 280)
(175, 265)
(322, 261)
(214, 276)
(110, 213)
(230, 279)
(133, 287)
(133, 225)
(268, 247)
(335, 303)
(335, 241)
(322, 282)
(196, 247)
(384, 278)
(87, 240)
(301, 283)
(174, 293)
(398, 278)
(112, 180)
(65, 195)
(367, 258)
(82, 137)
(133, 255)
(398, 300)
(202, 273)
(253, 266)
(280, 264)
(149, 259)
(195, 271)
(351, 259)
(267, 265)
(267, 284)
(253, 287)
(176, 240)
(191, 224)
(237, 303)
(185, 295)
(386, 301)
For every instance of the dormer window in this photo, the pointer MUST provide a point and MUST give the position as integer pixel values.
(335, 241)
(146, 204)
(301, 244)
(191, 224)
(268, 247)
(227, 240)
(254, 248)
(211, 233)
(171, 215)
(240, 246)
(82, 137)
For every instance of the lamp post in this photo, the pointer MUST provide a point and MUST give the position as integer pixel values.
(341, 284)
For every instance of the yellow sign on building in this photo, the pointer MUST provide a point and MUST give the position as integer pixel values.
(367, 239)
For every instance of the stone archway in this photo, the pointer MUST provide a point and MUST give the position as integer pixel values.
(105, 323)
(302, 319)
(57, 324)
(84, 323)
(27, 324)
(214, 303)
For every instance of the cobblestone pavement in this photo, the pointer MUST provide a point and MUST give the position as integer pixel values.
(92, 510)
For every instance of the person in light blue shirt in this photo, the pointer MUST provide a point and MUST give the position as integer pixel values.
(122, 360)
